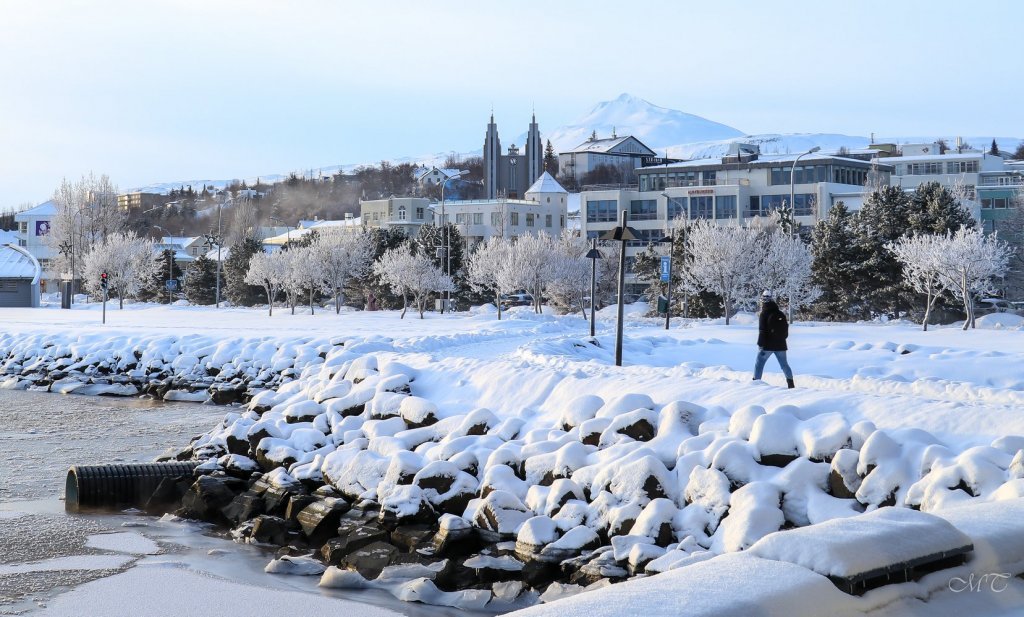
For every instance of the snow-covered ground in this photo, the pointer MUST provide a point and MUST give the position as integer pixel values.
(941, 405)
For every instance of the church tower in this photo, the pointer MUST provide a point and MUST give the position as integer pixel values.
(534, 153)
(492, 158)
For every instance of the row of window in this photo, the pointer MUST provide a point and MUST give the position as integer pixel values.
(995, 203)
(696, 207)
(659, 182)
(932, 168)
(763, 205)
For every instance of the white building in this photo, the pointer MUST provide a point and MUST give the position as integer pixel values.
(429, 176)
(33, 226)
(305, 227)
(736, 189)
(543, 211)
(20, 277)
(626, 153)
(405, 213)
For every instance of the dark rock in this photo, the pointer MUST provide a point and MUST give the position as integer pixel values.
(538, 574)
(351, 538)
(319, 520)
(270, 530)
(226, 395)
(410, 537)
(243, 507)
(296, 503)
(206, 498)
(167, 495)
(652, 487)
(777, 460)
(370, 560)
(641, 430)
(455, 577)
(837, 486)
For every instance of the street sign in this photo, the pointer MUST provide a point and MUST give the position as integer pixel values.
(665, 267)
(171, 284)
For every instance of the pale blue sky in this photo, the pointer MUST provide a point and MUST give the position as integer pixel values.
(162, 90)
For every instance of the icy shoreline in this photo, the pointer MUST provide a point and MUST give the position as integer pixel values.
(514, 507)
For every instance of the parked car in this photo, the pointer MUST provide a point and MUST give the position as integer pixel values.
(516, 299)
(987, 306)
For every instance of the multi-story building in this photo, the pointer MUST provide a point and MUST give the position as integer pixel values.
(736, 189)
(405, 213)
(33, 226)
(626, 153)
(430, 176)
(138, 200)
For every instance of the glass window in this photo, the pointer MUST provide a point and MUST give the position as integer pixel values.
(530, 216)
(725, 207)
(419, 214)
(547, 220)
(643, 209)
(515, 218)
(401, 213)
(676, 207)
(710, 178)
(701, 207)
(602, 211)
(478, 218)
(495, 219)
(755, 206)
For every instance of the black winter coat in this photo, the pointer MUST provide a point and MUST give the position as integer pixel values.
(773, 329)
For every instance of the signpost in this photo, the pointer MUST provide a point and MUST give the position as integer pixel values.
(666, 268)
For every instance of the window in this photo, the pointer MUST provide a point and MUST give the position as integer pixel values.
(962, 167)
(478, 218)
(495, 219)
(401, 213)
(702, 207)
(646, 236)
(515, 218)
(530, 216)
(462, 219)
(561, 222)
(710, 178)
(676, 207)
(602, 211)
(643, 210)
(725, 207)
(755, 206)
(547, 220)
(419, 214)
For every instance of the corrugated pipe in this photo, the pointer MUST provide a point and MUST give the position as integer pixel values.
(115, 486)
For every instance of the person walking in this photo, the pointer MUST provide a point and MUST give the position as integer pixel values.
(772, 332)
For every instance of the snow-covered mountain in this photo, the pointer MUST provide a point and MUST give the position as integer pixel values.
(684, 135)
(656, 126)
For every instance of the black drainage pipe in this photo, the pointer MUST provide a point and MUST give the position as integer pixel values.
(113, 486)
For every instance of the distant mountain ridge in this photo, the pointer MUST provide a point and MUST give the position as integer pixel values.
(684, 135)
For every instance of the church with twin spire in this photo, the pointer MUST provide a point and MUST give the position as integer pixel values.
(508, 174)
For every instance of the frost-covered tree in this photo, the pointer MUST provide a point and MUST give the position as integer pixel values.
(970, 262)
(269, 271)
(86, 213)
(200, 281)
(568, 277)
(785, 268)
(834, 264)
(921, 256)
(723, 259)
(935, 209)
(487, 269)
(529, 265)
(301, 274)
(408, 273)
(128, 261)
(342, 257)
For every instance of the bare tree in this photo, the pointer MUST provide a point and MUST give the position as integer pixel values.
(568, 273)
(921, 256)
(531, 254)
(269, 271)
(343, 257)
(970, 260)
(411, 274)
(86, 213)
(126, 259)
(488, 268)
(785, 268)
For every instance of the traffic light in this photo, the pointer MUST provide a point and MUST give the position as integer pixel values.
(103, 281)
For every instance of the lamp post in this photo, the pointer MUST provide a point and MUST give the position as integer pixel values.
(447, 238)
(593, 255)
(622, 234)
(792, 205)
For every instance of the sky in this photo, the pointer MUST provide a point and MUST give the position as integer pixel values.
(167, 90)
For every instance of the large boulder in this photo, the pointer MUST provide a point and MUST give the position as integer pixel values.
(208, 496)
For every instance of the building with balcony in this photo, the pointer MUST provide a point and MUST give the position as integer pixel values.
(140, 201)
(405, 213)
(33, 227)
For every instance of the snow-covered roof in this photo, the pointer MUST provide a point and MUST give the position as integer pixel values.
(605, 145)
(546, 184)
(765, 158)
(179, 240)
(948, 156)
(225, 252)
(446, 171)
(179, 255)
(47, 208)
(18, 263)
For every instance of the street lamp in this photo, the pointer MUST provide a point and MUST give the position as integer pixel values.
(622, 234)
(792, 206)
(593, 255)
(447, 237)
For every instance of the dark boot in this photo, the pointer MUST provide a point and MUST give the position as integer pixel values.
(789, 383)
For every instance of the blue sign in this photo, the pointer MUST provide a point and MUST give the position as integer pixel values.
(666, 264)
(171, 284)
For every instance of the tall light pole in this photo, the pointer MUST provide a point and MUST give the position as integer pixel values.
(593, 255)
(447, 238)
(792, 206)
(622, 234)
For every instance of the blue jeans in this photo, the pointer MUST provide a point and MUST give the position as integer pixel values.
(762, 357)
